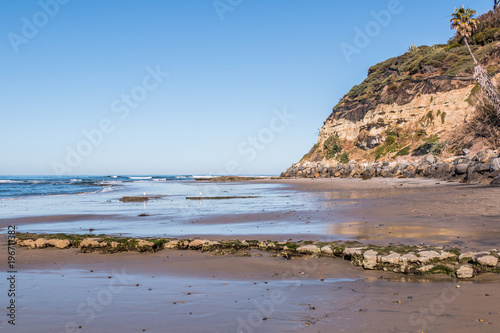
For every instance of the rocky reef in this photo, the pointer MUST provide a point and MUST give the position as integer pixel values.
(417, 260)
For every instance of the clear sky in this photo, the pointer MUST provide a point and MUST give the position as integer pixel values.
(189, 86)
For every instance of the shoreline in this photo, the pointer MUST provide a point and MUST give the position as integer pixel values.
(221, 292)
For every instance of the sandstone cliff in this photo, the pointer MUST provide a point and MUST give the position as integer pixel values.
(410, 105)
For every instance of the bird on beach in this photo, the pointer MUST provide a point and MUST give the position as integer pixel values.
(201, 194)
(144, 193)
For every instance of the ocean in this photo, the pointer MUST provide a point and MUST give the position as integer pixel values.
(30, 186)
(81, 204)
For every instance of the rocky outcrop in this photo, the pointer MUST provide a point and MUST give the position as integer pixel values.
(416, 260)
(483, 167)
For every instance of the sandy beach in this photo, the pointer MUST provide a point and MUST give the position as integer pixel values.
(188, 291)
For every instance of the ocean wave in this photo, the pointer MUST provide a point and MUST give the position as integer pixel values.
(140, 177)
(8, 181)
(113, 176)
(75, 180)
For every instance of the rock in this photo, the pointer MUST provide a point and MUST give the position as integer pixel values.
(143, 243)
(465, 152)
(487, 260)
(172, 244)
(409, 257)
(114, 244)
(354, 251)
(469, 254)
(307, 249)
(89, 242)
(197, 243)
(461, 169)
(465, 272)
(327, 250)
(41, 243)
(495, 165)
(370, 259)
(392, 258)
(425, 268)
(27, 242)
(446, 255)
(496, 181)
(59, 243)
(430, 159)
(426, 256)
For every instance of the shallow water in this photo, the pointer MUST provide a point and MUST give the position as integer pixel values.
(273, 210)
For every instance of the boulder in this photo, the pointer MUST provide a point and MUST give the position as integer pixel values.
(426, 256)
(327, 250)
(495, 165)
(197, 243)
(143, 243)
(370, 259)
(425, 268)
(89, 242)
(41, 243)
(308, 249)
(59, 243)
(409, 257)
(392, 258)
(487, 260)
(172, 244)
(354, 251)
(27, 242)
(461, 169)
(465, 272)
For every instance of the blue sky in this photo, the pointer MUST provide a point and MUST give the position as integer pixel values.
(188, 86)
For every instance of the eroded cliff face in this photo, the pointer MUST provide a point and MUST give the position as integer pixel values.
(408, 106)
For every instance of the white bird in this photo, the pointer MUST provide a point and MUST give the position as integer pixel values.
(144, 193)
(200, 194)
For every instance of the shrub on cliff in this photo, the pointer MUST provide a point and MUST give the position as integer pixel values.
(332, 146)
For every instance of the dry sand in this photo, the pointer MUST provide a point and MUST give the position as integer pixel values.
(185, 291)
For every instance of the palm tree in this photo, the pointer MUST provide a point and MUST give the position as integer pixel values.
(464, 22)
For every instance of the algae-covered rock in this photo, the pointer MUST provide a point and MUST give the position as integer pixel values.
(59, 243)
(465, 272)
(197, 244)
(90, 242)
(426, 256)
(392, 259)
(308, 249)
(487, 260)
(327, 250)
(425, 269)
(354, 251)
(370, 259)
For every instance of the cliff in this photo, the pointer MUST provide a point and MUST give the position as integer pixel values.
(412, 105)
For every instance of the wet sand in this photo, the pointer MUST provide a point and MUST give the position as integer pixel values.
(185, 291)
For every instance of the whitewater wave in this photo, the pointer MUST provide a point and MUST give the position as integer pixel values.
(140, 177)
